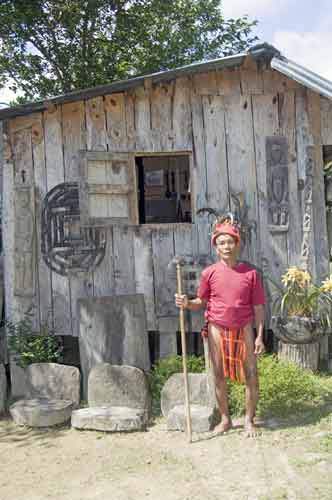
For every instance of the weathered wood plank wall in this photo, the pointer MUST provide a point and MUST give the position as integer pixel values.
(222, 119)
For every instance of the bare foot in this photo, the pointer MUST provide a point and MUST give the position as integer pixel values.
(223, 427)
(250, 430)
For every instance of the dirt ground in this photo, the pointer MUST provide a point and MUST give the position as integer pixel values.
(288, 461)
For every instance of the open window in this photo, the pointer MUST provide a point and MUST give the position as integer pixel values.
(163, 189)
(121, 188)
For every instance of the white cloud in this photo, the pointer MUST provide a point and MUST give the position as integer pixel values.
(311, 49)
(255, 9)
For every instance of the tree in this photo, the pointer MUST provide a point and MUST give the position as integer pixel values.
(49, 47)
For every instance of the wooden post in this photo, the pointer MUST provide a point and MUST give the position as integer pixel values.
(184, 353)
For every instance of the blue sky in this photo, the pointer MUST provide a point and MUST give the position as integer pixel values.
(300, 29)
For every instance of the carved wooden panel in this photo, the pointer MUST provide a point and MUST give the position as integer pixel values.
(108, 192)
(66, 245)
(24, 241)
(277, 182)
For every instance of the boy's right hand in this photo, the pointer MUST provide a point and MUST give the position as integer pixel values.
(181, 301)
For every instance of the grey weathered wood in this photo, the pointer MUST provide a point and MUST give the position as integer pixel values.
(326, 120)
(201, 241)
(240, 153)
(216, 159)
(116, 122)
(143, 119)
(287, 121)
(161, 117)
(40, 177)
(182, 124)
(306, 356)
(144, 276)
(55, 175)
(95, 124)
(124, 262)
(165, 283)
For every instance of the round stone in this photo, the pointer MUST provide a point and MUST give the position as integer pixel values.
(109, 419)
(41, 412)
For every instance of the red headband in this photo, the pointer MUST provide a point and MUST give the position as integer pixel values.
(225, 229)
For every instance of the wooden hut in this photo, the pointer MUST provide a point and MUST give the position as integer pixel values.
(101, 187)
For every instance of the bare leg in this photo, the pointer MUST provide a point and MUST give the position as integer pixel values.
(219, 379)
(250, 369)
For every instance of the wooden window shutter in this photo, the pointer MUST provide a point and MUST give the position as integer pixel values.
(108, 188)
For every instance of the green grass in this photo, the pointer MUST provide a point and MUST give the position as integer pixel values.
(285, 388)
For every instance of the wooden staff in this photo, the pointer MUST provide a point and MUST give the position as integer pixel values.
(184, 351)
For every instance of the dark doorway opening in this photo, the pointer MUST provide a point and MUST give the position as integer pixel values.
(163, 189)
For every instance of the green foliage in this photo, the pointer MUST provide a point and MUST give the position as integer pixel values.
(50, 47)
(165, 368)
(285, 388)
(29, 346)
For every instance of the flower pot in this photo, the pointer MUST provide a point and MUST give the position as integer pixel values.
(297, 329)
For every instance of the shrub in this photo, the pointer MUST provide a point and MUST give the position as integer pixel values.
(285, 388)
(29, 346)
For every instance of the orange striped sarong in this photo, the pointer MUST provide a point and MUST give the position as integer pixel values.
(233, 351)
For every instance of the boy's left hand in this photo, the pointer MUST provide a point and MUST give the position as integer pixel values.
(259, 346)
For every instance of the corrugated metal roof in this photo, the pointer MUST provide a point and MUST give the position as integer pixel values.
(303, 75)
(262, 52)
(120, 86)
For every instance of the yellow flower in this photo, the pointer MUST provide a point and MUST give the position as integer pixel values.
(295, 275)
(327, 285)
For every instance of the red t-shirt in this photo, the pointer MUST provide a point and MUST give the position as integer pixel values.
(231, 294)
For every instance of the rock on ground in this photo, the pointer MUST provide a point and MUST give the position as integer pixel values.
(41, 412)
(113, 330)
(201, 392)
(53, 381)
(112, 419)
(203, 419)
(112, 385)
(3, 389)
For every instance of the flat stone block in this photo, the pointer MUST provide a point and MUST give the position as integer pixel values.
(201, 391)
(203, 419)
(109, 419)
(125, 386)
(53, 381)
(3, 389)
(112, 330)
(41, 412)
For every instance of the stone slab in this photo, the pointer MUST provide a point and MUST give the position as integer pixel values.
(53, 381)
(201, 391)
(112, 330)
(109, 419)
(113, 385)
(41, 412)
(203, 419)
(3, 389)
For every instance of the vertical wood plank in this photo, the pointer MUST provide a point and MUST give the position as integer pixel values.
(8, 239)
(286, 105)
(95, 124)
(74, 140)
(25, 267)
(144, 272)
(201, 239)
(326, 120)
(182, 125)
(55, 175)
(164, 283)
(241, 162)
(318, 193)
(161, 116)
(216, 159)
(124, 261)
(43, 271)
(116, 122)
(143, 119)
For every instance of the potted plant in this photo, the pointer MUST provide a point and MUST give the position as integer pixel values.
(302, 311)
